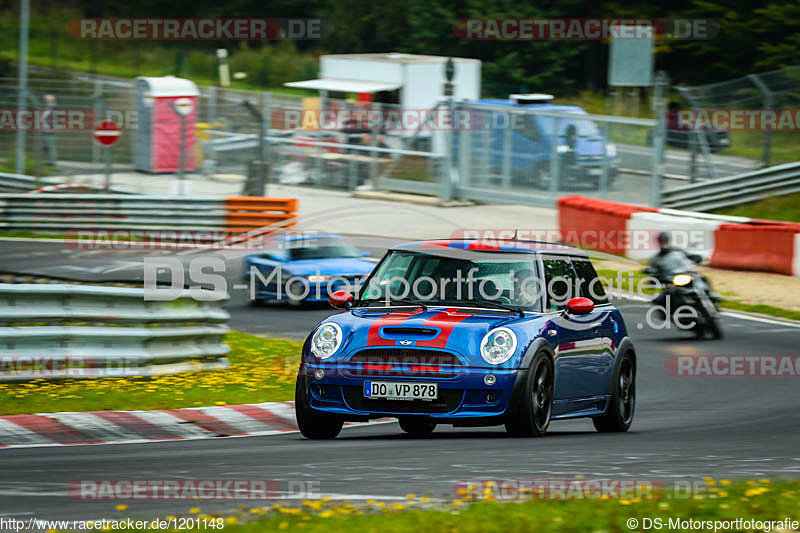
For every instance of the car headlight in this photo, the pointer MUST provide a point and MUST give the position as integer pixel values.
(611, 150)
(326, 340)
(681, 280)
(562, 148)
(316, 278)
(498, 346)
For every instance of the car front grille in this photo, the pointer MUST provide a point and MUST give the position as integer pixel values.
(409, 362)
(405, 356)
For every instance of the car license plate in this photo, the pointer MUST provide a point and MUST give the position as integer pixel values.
(391, 390)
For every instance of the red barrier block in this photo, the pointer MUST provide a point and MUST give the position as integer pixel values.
(579, 214)
(755, 247)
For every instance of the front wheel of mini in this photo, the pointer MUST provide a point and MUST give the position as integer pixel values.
(313, 424)
(622, 403)
(535, 407)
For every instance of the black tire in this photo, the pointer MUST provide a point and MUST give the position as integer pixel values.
(714, 328)
(622, 404)
(418, 427)
(534, 408)
(313, 424)
(291, 289)
(699, 329)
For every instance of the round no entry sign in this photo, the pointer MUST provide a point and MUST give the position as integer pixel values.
(107, 133)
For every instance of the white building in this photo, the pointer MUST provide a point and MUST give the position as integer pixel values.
(417, 79)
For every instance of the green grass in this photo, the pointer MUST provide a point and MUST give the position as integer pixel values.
(22, 234)
(775, 208)
(719, 500)
(261, 370)
(761, 309)
(635, 275)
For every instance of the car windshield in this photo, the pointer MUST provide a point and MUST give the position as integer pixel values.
(584, 128)
(482, 279)
(323, 252)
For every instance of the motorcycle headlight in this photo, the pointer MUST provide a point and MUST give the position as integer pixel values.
(611, 150)
(326, 340)
(681, 280)
(498, 346)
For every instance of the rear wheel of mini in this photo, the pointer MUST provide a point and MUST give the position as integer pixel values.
(535, 408)
(416, 426)
(313, 424)
(619, 415)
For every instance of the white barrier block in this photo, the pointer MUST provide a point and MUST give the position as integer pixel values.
(796, 258)
(694, 235)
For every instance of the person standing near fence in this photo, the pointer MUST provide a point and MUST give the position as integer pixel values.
(49, 134)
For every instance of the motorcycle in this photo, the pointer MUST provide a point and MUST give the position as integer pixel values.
(683, 286)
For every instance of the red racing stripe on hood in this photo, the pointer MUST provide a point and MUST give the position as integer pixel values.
(392, 319)
(446, 321)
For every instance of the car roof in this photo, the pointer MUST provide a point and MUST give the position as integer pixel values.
(494, 245)
(535, 107)
(304, 236)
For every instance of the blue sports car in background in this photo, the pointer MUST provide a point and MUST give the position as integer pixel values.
(474, 346)
(305, 267)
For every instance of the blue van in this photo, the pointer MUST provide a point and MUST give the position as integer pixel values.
(582, 149)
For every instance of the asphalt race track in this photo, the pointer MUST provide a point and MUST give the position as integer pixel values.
(685, 428)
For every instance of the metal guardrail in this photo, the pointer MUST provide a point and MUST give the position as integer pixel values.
(60, 213)
(50, 331)
(735, 190)
(20, 183)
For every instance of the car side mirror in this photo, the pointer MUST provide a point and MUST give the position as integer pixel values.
(340, 300)
(580, 306)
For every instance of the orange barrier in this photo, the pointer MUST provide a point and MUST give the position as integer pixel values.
(247, 213)
(764, 248)
(579, 214)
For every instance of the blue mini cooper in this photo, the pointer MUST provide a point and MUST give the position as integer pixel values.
(470, 333)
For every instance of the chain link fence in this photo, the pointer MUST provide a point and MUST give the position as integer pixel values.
(774, 90)
(521, 153)
(508, 153)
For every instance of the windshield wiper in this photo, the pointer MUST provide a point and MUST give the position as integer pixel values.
(492, 303)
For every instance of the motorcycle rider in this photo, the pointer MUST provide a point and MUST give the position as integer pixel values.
(662, 267)
(656, 263)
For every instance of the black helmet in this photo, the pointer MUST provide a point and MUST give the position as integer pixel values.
(663, 238)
